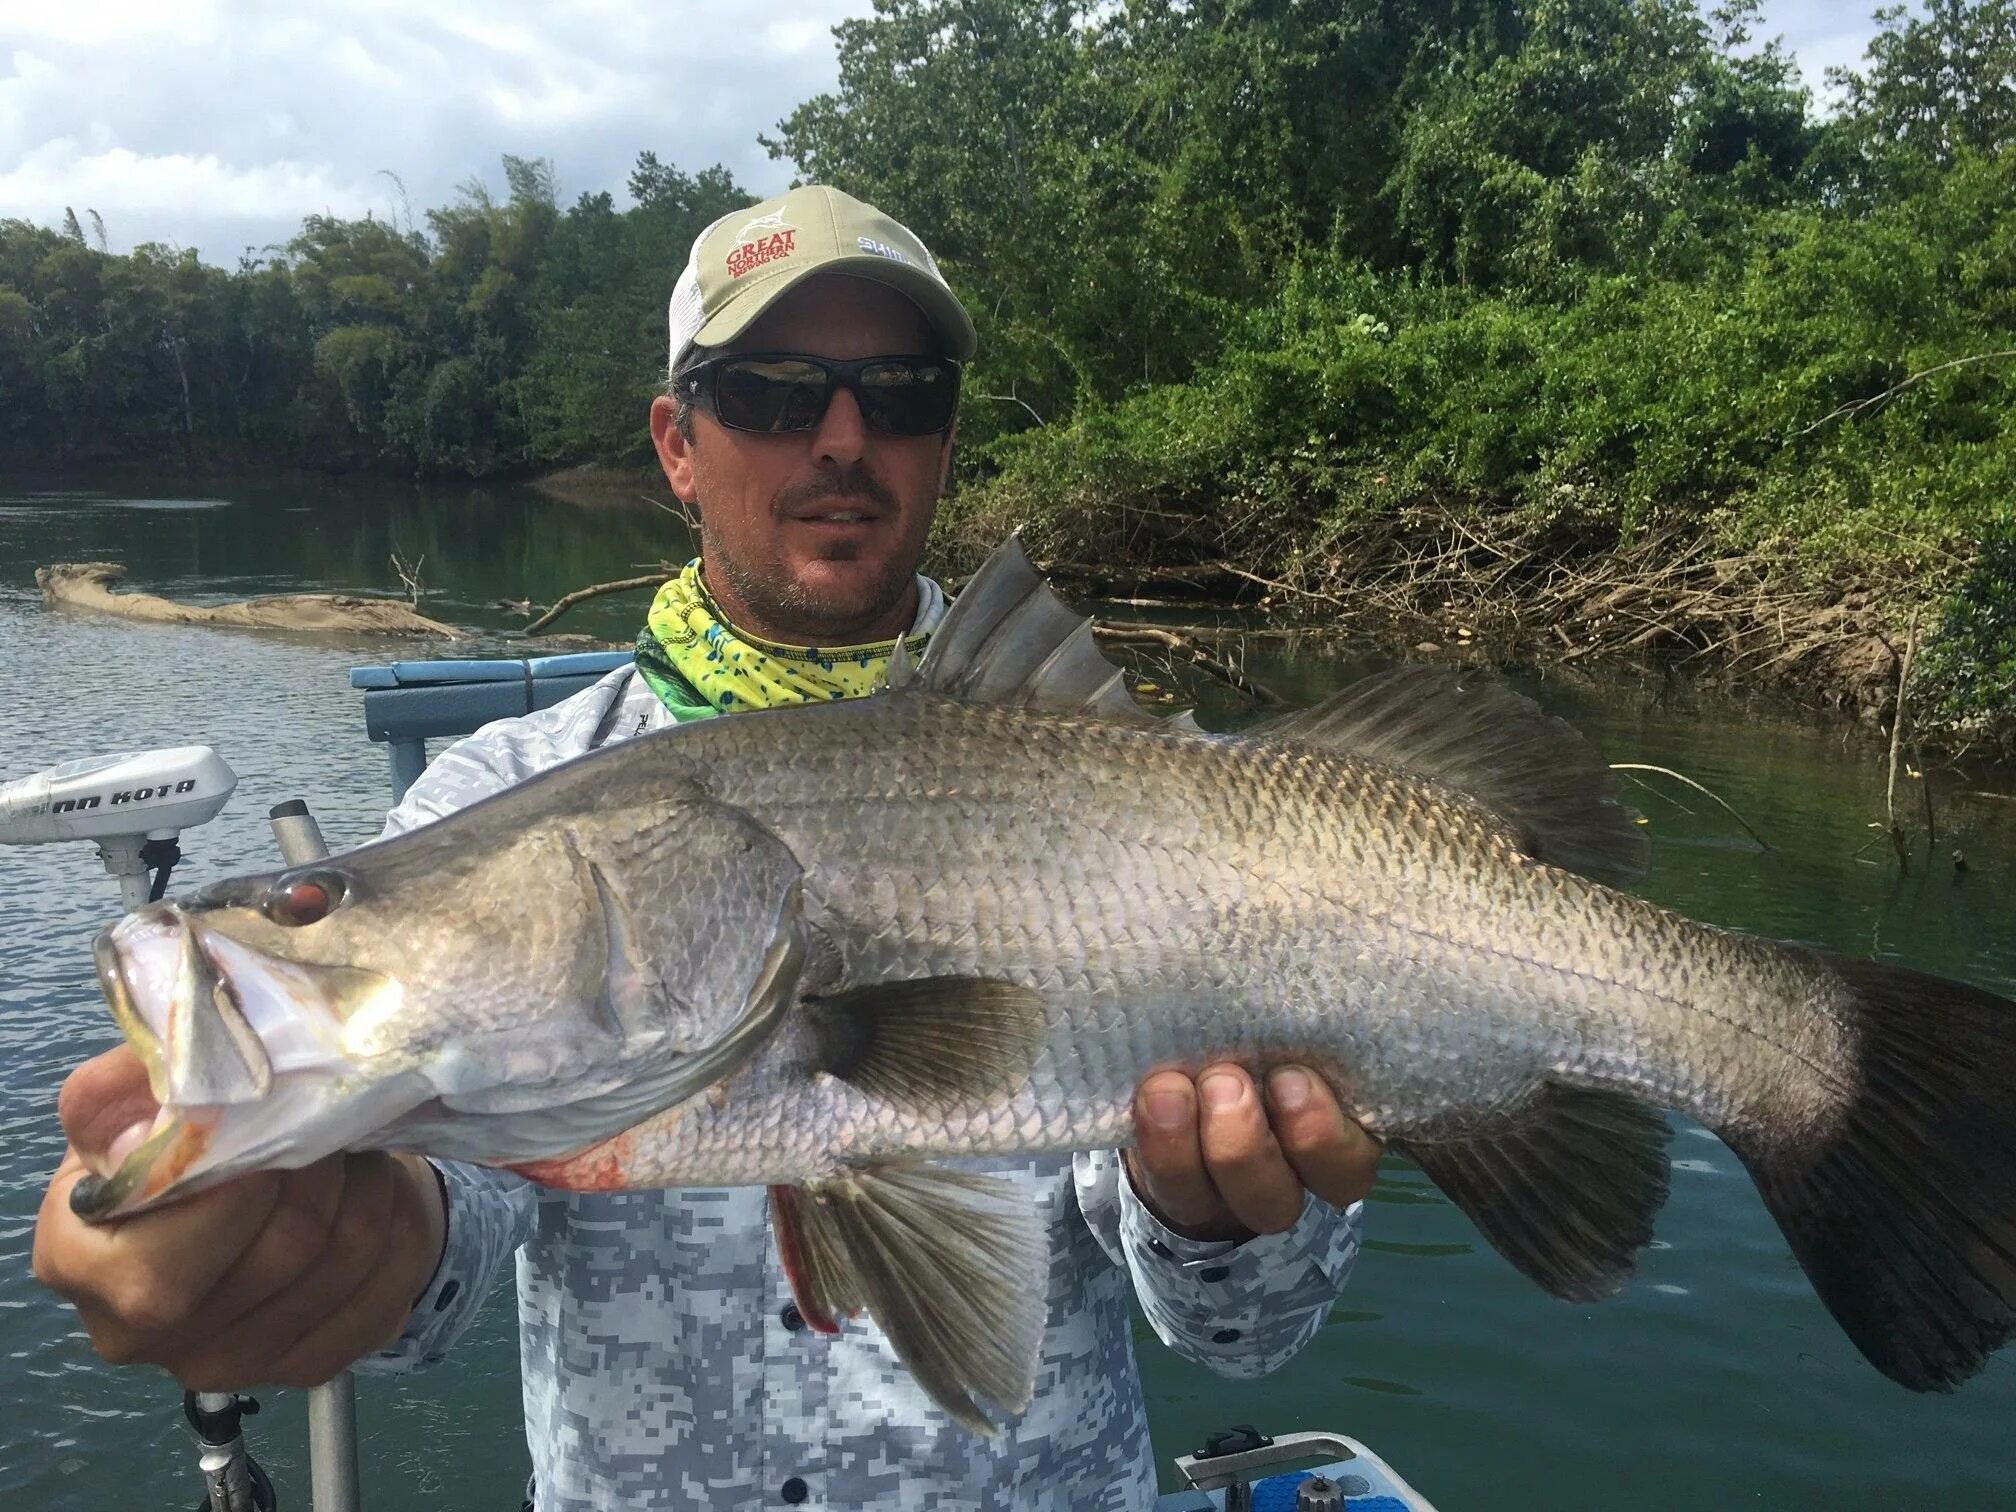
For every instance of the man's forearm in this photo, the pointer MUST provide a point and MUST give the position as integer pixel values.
(1241, 1308)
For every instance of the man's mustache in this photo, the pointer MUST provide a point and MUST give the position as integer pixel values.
(855, 484)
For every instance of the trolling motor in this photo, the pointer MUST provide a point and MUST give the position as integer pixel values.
(134, 806)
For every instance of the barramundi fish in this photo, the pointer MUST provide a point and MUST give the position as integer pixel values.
(826, 948)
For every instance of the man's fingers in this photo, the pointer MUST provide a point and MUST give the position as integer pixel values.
(345, 1248)
(293, 1239)
(1331, 1155)
(371, 1318)
(1170, 1166)
(101, 1100)
(145, 1275)
(1241, 1154)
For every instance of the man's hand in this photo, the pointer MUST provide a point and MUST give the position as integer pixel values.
(1213, 1160)
(279, 1277)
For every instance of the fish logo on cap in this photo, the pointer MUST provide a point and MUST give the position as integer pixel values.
(762, 240)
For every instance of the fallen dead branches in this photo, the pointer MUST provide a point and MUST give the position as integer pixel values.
(567, 601)
(1515, 589)
(1193, 651)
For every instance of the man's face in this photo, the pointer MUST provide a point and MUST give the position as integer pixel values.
(813, 537)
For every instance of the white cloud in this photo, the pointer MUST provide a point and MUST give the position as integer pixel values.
(134, 190)
(221, 123)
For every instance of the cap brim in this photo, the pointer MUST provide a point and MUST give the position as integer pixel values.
(941, 307)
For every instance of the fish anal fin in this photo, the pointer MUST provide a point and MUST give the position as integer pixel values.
(950, 1265)
(1568, 1195)
(1479, 737)
(933, 1043)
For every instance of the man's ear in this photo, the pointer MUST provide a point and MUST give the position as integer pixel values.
(675, 452)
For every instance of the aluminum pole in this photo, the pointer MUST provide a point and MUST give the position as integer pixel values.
(332, 1408)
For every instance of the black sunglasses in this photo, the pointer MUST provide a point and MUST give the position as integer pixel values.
(776, 392)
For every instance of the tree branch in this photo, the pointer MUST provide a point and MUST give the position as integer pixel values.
(595, 590)
(1857, 406)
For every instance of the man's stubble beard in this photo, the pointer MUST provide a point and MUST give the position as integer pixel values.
(794, 609)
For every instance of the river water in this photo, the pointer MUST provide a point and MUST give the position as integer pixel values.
(1715, 1380)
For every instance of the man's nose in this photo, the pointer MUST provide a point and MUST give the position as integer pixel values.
(842, 436)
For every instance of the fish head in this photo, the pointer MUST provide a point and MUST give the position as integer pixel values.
(425, 980)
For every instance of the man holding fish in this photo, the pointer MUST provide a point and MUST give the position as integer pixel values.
(674, 1353)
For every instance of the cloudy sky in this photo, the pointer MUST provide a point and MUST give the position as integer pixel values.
(218, 124)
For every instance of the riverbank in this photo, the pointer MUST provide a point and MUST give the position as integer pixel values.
(1832, 635)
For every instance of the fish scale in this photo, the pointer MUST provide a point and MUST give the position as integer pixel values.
(1223, 943)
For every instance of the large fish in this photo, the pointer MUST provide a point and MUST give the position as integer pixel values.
(820, 948)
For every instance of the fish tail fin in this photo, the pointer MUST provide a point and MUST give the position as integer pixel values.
(1903, 1213)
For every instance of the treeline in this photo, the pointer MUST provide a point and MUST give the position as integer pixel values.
(508, 335)
(1286, 263)
(1572, 322)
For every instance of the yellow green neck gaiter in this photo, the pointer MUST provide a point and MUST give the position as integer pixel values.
(688, 649)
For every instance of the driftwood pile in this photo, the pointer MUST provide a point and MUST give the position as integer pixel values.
(1508, 592)
(91, 585)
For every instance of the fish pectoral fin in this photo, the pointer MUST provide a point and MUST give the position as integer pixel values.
(933, 1043)
(950, 1265)
(1499, 747)
(1568, 1196)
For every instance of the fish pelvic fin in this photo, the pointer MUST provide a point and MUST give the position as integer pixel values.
(933, 1044)
(1473, 734)
(1569, 1195)
(1903, 1214)
(1008, 639)
(951, 1265)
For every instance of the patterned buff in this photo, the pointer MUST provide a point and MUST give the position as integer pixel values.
(698, 664)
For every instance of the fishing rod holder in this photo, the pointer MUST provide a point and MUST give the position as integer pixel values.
(233, 1481)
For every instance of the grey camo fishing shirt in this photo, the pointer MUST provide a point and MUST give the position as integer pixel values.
(664, 1367)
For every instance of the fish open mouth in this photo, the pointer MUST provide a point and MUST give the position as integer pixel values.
(218, 1024)
(172, 1144)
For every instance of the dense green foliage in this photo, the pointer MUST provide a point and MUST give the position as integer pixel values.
(511, 334)
(1247, 272)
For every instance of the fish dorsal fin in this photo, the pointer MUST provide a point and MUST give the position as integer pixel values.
(1479, 737)
(1008, 639)
(902, 671)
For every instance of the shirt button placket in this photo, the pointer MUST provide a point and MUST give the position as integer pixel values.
(797, 1363)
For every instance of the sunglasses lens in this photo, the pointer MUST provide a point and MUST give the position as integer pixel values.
(910, 397)
(899, 396)
(770, 394)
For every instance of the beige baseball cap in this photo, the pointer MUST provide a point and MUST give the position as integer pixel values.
(745, 260)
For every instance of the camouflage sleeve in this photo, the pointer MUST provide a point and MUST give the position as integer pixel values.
(1239, 1309)
(490, 1213)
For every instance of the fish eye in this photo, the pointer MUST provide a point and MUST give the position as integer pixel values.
(304, 899)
